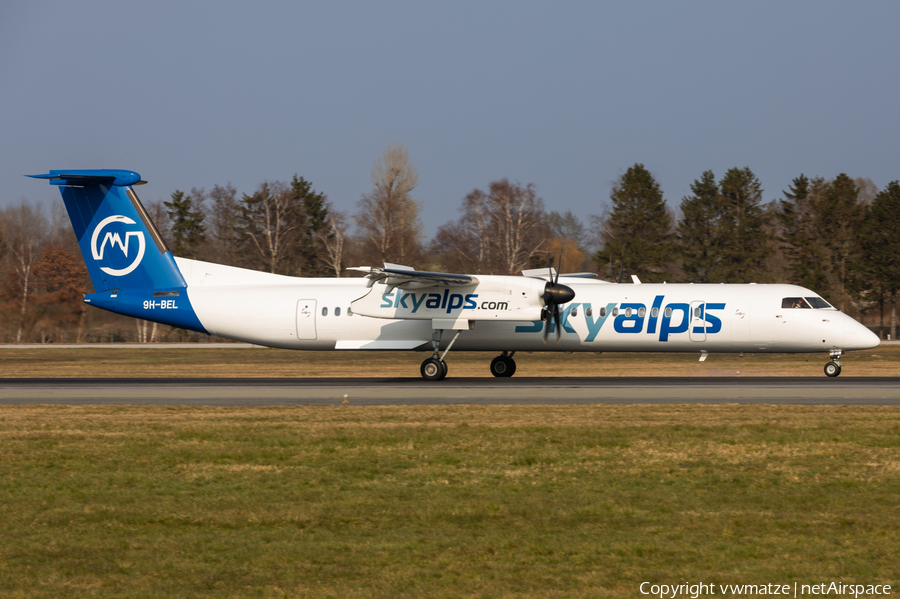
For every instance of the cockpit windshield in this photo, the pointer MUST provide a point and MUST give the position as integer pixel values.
(807, 303)
(794, 302)
(818, 302)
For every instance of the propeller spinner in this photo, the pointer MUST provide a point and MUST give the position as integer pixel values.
(554, 295)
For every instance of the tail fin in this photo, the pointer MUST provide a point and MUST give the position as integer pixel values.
(127, 260)
(121, 246)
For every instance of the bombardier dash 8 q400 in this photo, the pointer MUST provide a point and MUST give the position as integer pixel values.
(397, 308)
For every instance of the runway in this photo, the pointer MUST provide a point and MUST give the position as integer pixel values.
(455, 391)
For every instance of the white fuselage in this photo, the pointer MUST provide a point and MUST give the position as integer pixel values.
(315, 314)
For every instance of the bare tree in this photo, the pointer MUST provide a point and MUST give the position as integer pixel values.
(499, 231)
(223, 238)
(388, 216)
(333, 239)
(270, 220)
(157, 212)
(25, 232)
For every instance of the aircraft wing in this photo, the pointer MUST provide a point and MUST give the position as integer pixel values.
(394, 275)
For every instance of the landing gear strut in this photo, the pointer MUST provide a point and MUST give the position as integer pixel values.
(833, 368)
(435, 368)
(503, 365)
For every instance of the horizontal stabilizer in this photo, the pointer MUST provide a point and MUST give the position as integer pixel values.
(81, 178)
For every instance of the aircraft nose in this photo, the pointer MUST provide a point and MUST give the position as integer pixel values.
(868, 339)
(859, 336)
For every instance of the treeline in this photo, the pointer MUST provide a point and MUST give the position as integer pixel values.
(836, 236)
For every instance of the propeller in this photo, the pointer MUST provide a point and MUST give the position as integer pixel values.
(554, 295)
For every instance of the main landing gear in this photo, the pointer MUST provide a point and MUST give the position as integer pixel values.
(833, 368)
(435, 368)
(503, 365)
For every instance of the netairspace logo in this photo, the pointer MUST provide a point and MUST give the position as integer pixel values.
(672, 591)
(112, 239)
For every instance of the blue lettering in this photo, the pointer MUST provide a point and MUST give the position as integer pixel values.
(470, 302)
(534, 327)
(452, 304)
(538, 325)
(621, 319)
(714, 324)
(666, 328)
(595, 324)
(402, 302)
(387, 299)
(444, 303)
(434, 301)
(651, 322)
(416, 304)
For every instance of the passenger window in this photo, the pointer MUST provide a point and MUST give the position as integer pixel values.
(654, 312)
(642, 311)
(324, 311)
(603, 312)
(697, 312)
(574, 311)
(628, 312)
(337, 311)
(588, 311)
(668, 312)
(615, 311)
(349, 312)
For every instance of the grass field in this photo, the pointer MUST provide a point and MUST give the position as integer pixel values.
(495, 501)
(128, 361)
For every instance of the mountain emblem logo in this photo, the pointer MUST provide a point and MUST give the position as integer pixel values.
(113, 238)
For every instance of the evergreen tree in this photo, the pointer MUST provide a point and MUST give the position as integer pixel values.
(315, 216)
(187, 222)
(744, 218)
(700, 232)
(799, 235)
(637, 233)
(880, 259)
(839, 220)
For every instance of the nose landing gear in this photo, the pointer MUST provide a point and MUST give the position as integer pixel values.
(833, 368)
(503, 365)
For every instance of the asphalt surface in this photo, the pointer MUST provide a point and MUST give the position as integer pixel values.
(415, 391)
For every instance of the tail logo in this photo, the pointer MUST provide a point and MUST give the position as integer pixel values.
(112, 239)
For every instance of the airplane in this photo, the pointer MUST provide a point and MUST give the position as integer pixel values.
(394, 307)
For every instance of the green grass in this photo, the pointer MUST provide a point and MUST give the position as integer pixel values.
(500, 501)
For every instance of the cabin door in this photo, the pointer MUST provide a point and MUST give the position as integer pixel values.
(306, 319)
(697, 330)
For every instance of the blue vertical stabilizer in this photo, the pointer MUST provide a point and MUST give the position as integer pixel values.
(126, 258)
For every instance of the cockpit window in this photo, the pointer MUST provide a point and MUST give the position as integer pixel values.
(818, 302)
(794, 302)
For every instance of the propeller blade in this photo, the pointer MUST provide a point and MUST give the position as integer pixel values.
(558, 320)
(546, 327)
(558, 265)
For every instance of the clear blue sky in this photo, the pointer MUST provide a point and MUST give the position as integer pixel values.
(563, 95)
